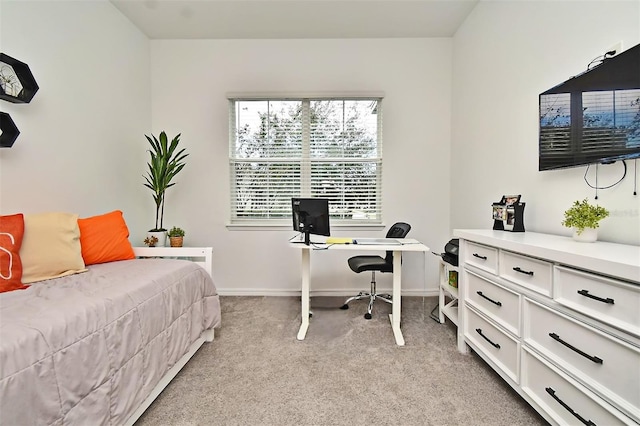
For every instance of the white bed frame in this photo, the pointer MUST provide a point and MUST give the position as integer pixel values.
(203, 257)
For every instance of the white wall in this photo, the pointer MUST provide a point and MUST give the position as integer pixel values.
(505, 54)
(82, 145)
(82, 136)
(190, 80)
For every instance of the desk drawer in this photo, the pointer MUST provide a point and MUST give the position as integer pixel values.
(497, 345)
(610, 301)
(498, 303)
(526, 271)
(483, 257)
(564, 399)
(608, 365)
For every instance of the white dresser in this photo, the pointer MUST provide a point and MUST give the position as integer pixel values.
(557, 319)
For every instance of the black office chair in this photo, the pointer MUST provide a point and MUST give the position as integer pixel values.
(373, 264)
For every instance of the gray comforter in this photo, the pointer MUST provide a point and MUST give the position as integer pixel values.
(89, 348)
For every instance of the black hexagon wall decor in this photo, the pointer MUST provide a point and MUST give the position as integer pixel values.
(9, 130)
(17, 84)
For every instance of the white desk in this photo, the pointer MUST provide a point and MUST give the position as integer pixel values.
(394, 317)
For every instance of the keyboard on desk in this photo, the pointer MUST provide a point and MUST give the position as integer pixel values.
(377, 241)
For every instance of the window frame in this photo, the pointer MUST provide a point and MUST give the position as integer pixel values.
(260, 223)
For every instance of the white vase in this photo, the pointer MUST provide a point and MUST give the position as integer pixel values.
(161, 236)
(588, 235)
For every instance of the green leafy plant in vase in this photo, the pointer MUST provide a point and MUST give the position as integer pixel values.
(176, 236)
(584, 218)
(165, 162)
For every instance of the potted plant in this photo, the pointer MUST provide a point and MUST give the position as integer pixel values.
(166, 161)
(176, 236)
(583, 218)
(151, 241)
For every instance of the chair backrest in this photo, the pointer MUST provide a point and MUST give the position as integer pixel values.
(397, 230)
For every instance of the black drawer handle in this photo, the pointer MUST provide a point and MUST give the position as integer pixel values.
(490, 300)
(517, 269)
(591, 296)
(593, 358)
(552, 392)
(479, 256)
(495, 345)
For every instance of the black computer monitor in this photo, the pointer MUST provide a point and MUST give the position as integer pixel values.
(310, 216)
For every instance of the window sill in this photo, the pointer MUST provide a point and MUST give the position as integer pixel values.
(288, 227)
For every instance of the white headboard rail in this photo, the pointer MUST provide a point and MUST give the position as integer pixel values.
(203, 256)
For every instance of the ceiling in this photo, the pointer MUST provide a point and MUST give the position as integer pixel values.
(269, 19)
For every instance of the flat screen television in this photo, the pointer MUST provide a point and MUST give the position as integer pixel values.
(593, 117)
(310, 216)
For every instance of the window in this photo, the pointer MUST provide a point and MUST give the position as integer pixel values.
(283, 148)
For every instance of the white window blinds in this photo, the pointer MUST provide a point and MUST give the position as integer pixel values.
(283, 148)
(584, 127)
(611, 120)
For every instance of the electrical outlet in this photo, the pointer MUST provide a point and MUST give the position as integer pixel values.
(617, 47)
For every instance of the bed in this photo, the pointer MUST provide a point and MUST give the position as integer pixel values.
(98, 347)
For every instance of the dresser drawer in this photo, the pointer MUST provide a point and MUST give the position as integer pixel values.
(483, 257)
(610, 301)
(498, 346)
(609, 366)
(498, 303)
(565, 400)
(526, 271)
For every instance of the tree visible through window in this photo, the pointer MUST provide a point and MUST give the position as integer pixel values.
(284, 148)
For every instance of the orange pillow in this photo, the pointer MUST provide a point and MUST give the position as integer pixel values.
(105, 238)
(11, 232)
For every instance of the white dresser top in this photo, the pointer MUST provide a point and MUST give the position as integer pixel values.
(616, 260)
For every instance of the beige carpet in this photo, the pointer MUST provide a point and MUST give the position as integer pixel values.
(348, 371)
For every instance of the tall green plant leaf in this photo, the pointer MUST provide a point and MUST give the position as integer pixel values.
(163, 166)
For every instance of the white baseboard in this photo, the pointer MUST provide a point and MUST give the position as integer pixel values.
(336, 292)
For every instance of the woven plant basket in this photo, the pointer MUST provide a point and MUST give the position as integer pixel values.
(176, 241)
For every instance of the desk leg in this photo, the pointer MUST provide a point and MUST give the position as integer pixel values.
(306, 274)
(394, 317)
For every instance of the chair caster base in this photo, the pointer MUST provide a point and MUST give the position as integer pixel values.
(367, 316)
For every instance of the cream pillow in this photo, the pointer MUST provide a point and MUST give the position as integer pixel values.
(50, 246)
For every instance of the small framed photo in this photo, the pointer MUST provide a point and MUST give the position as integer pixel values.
(510, 200)
(511, 219)
(511, 216)
(499, 212)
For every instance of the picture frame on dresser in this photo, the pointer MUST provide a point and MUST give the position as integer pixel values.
(499, 212)
(509, 200)
(508, 214)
